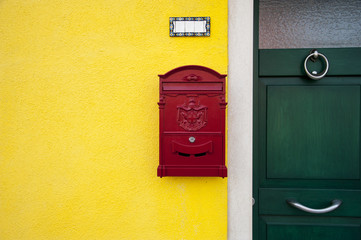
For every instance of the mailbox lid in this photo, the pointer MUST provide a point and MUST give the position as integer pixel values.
(193, 86)
(192, 78)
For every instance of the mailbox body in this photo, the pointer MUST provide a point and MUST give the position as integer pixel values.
(192, 122)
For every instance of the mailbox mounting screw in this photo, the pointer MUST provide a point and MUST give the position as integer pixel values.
(192, 139)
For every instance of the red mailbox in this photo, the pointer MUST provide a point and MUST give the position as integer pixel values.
(192, 122)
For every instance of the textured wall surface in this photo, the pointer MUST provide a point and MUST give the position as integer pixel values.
(79, 121)
(309, 24)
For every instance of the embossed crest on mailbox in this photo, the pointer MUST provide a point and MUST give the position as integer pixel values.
(192, 122)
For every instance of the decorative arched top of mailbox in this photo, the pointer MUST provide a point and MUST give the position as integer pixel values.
(192, 73)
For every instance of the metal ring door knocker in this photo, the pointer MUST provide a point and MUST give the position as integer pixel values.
(313, 57)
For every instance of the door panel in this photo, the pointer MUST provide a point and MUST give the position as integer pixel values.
(308, 228)
(273, 201)
(286, 62)
(309, 132)
(313, 132)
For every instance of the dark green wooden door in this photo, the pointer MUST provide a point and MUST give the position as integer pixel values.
(307, 133)
(308, 146)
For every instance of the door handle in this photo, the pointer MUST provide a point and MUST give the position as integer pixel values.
(335, 204)
(313, 56)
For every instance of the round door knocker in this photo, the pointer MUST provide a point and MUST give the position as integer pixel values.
(313, 57)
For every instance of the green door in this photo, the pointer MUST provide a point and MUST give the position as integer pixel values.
(307, 144)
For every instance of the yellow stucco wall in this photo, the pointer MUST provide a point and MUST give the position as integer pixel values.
(79, 121)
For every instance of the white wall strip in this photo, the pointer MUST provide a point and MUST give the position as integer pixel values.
(240, 93)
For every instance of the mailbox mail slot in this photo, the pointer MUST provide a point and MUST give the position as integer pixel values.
(192, 122)
(196, 150)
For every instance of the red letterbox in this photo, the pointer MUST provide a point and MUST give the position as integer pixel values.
(192, 122)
